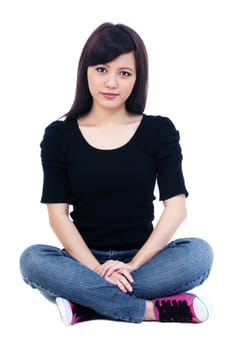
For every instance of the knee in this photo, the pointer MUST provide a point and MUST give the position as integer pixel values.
(198, 252)
(29, 259)
(204, 251)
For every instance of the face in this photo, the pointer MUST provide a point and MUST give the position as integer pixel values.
(111, 84)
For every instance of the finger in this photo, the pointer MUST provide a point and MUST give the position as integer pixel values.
(123, 281)
(116, 266)
(110, 268)
(124, 271)
(116, 283)
(120, 281)
(102, 269)
(127, 274)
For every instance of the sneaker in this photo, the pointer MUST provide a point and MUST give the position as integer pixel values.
(184, 307)
(72, 313)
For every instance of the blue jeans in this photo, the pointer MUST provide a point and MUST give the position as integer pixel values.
(182, 265)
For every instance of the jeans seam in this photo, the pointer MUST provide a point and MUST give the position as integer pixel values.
(186, 287)
(38, 287)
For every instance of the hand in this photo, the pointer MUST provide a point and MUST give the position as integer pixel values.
(106, 269)
(117, 279)
(117, 273)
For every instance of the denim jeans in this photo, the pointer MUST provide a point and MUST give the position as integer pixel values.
(182, 265)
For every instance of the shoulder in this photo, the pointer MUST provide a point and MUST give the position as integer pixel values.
(55, 135)
(162, 128)
(57, 130)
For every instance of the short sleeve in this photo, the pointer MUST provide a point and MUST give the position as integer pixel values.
(170, 176)
(55, 178)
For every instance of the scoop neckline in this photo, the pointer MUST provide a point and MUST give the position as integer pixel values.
(125, 145)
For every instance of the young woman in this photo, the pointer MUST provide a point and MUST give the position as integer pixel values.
(103, 159)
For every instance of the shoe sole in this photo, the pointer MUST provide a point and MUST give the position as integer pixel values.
(202, 308)
(65, 310)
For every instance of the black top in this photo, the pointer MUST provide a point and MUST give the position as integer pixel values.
(112, 191)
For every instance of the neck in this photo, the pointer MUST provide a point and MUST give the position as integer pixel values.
(104, 116)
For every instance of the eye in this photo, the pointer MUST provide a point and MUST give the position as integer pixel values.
(101, 69)
(125, 73)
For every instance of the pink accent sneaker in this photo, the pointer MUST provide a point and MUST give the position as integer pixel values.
(184, 307)
(72, 313)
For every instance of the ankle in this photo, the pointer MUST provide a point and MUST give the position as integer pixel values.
(149, 312)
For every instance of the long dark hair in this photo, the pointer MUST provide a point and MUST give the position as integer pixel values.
(107, 42)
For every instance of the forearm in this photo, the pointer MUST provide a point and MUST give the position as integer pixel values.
(171, 218)
(72, 241)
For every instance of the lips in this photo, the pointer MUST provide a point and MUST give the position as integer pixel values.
(109, 96)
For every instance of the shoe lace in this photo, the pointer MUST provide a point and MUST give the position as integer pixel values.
(173, 310)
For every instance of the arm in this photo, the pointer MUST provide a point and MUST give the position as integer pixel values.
(171, 218)
(69, 236)
(74, 244)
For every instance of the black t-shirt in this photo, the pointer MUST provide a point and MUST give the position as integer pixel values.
(112, 191)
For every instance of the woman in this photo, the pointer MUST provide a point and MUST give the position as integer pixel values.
(104, 159)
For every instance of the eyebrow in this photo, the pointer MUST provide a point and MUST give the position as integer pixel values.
(127, 68)
(120, 68)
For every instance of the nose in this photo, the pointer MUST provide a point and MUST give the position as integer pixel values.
(111, 81)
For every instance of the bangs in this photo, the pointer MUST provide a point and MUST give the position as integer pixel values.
(109, 44)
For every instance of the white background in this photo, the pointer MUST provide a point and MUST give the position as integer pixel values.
(190, 53)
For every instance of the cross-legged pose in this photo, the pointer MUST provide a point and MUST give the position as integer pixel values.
(101, 163)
